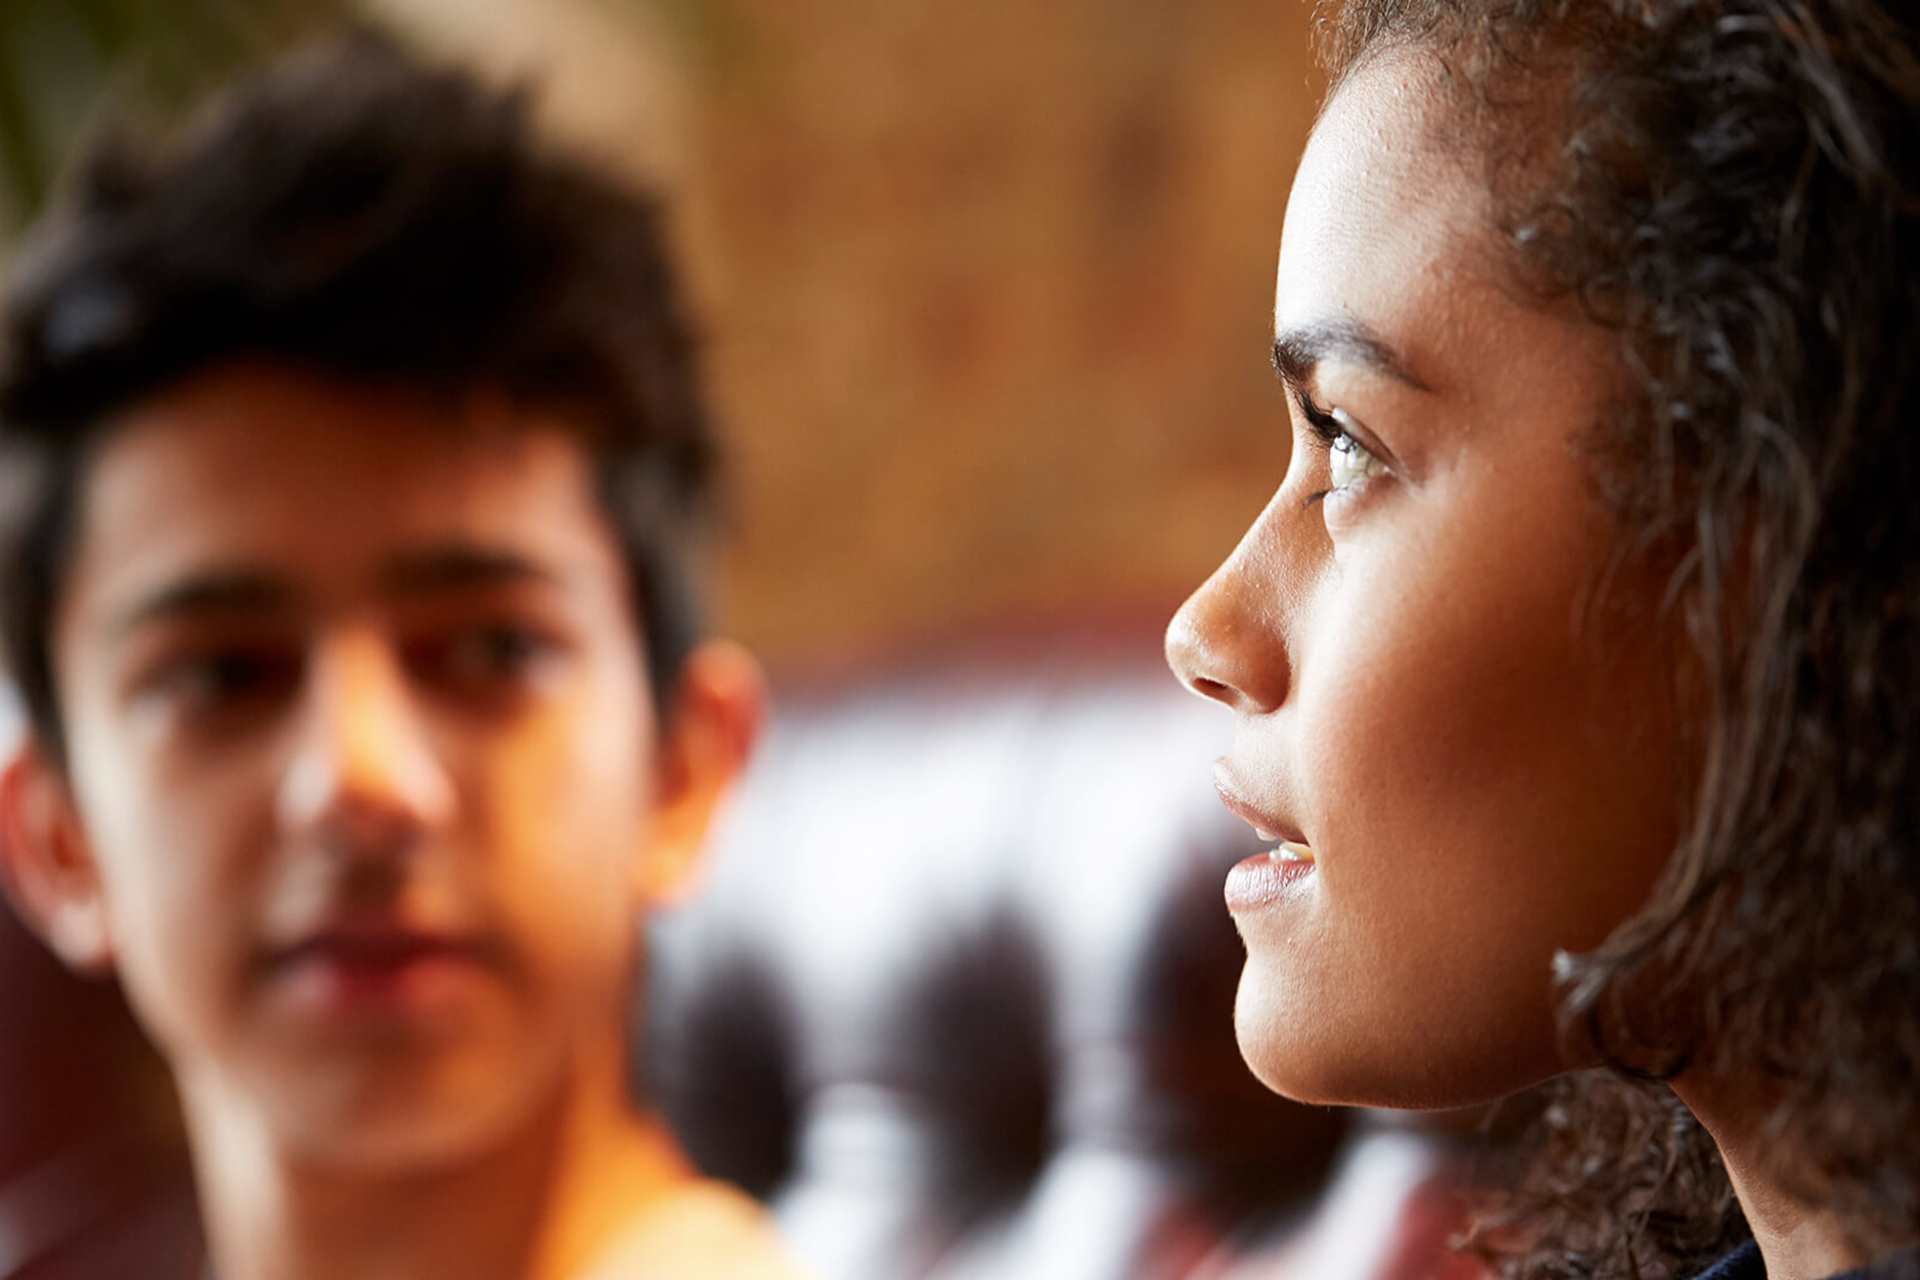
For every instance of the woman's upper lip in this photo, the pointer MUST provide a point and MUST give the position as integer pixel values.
(1266, 824)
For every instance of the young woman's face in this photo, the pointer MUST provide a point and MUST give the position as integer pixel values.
(1479, 766)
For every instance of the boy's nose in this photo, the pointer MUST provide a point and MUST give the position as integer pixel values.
(1225, 642)
(364, 778)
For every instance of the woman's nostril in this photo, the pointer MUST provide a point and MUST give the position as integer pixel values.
(1210, 688)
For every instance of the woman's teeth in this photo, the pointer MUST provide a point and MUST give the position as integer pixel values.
(1289, 851)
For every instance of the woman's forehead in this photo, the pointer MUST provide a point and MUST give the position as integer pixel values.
(1391, 232)
(1391, 229)
(1383, 201)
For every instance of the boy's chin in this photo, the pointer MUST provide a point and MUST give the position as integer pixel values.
(405, 1115)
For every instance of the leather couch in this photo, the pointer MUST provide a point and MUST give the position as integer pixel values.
(957, 996)
(94, 1180)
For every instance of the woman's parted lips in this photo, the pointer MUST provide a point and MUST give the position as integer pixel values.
(1266, 823)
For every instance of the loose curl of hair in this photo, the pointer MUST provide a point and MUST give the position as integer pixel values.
(1732, 188)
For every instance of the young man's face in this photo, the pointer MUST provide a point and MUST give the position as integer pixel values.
(362, 760)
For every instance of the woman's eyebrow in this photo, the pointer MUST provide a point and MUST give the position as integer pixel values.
(1299, 350)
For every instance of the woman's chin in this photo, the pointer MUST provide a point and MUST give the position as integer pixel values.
(1339, 1058)
(1287, 1052)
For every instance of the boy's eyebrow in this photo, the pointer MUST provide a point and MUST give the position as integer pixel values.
(1298, 351)
(246, 589)
(453, 566)
(232, 590)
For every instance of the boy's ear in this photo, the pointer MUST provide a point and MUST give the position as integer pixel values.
(719, 708)
(46, 868)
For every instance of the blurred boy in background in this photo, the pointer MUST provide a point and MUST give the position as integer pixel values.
(355, 465)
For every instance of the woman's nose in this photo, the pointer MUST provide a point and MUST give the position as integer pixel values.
(1225, 642)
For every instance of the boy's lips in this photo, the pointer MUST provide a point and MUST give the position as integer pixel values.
(373, 933)
(362, 947)
(362, 964)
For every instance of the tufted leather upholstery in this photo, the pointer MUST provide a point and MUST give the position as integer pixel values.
(958, 995)
(94, 1181)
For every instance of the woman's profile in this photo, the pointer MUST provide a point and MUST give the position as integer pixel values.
(1574, 663)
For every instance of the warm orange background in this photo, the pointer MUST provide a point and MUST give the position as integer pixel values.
(991, 288)
(987, 282)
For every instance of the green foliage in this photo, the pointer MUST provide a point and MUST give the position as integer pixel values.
(63, 61)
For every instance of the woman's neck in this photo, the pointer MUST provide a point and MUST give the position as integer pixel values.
(542, 1204)
(1798, 1240)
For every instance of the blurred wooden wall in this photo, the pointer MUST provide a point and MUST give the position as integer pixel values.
(991, 294)
(987, 283)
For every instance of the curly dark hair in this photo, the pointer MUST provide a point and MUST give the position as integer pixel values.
(1732, 187)
(353, 210)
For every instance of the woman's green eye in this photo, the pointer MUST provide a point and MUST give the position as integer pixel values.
(1349, 462)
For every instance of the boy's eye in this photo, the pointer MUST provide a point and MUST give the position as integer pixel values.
(492, 654)
(221, 680)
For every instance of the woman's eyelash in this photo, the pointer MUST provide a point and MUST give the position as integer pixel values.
(1321, 421)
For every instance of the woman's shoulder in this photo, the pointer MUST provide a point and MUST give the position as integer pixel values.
(1904, 1265)
(1744, 1264)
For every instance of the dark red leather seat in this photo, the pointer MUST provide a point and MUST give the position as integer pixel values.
(94, 1180)
(958, 995)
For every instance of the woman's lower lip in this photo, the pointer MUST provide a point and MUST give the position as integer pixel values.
(1262, 880)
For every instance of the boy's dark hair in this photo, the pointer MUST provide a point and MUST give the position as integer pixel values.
(352, 211)
(1732, 187)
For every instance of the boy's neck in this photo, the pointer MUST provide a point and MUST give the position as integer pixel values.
(543, 1205)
